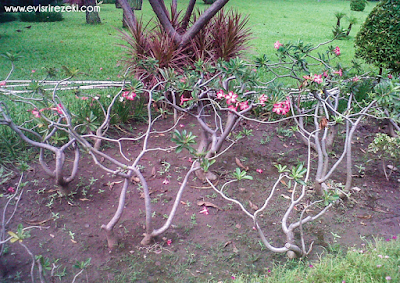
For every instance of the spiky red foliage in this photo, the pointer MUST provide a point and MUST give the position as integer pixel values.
(225, 36)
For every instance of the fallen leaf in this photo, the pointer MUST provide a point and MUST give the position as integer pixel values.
(112, 184)
(184, 203)
(235, 250)
(51, 235)
(253, 206)
(379, 210)
(365, 216)
(238, 163)
(73, 241)
(285, 196)
(238, 226)
(227, 243)
(37, 222)
(362, 223)
(84, 199)
(135, 179)
(153, 171)
(209, 204)
(283, 182)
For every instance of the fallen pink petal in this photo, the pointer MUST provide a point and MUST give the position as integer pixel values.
(11, 190)
(169, 242)
(165, 182)
(204, 211)
(259, 170)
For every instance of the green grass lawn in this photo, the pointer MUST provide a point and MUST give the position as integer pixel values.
(96, 50)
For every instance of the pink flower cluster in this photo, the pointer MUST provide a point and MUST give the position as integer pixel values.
(282, 108)
(277, 45)
(36, 113)
(130, 95)
(231, 100)
(3, 83)
(337, 50)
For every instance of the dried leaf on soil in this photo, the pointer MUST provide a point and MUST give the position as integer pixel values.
(253, 206)
(238, 163)
(209, 204)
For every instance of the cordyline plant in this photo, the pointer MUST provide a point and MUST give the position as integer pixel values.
(224, 37)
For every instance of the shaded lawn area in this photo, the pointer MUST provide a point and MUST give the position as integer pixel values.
(95, 50)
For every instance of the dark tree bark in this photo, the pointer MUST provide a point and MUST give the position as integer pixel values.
(163, 16)
(92, 17)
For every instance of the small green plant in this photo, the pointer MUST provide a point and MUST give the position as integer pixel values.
(241, 175)
(184, 140)
(193, 219)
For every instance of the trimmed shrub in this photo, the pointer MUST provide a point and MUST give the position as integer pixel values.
(7, 17)
(357, 5)
(41, 17)
(378, 41)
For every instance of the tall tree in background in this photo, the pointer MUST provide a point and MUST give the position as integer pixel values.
(92, 16)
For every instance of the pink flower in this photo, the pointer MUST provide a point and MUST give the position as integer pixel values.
(118, 76)
(183, 100)
(282, 108)
(33, 71)
(182, 80)
(220, 94)
(390, 76)
(277, 45)
(190, 160)
(129, 95)
(387, 240)
(340, 73)
(233, 277)
(181, 125)
(380, 256)
(259, 170)
(394, 237)
(165, 182)
(307, 77)
(231, 97)
(263, 98)
(232, 107)
(318, 79)
(204, 211)
(244, 105)
(337, 51)
(355, 79)
(83, 97)
(269, 270)
(11, 190)
(35, 113)
(169, 242)
(311, 266)
(3, 83)
(58, 109)
(388, 278)
(254, 228)
(379, 265)
(325, 74)
(101, 69)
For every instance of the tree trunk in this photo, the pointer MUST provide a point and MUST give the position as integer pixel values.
(92, 16)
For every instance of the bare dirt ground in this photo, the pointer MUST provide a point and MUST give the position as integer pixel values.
(197, 247)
